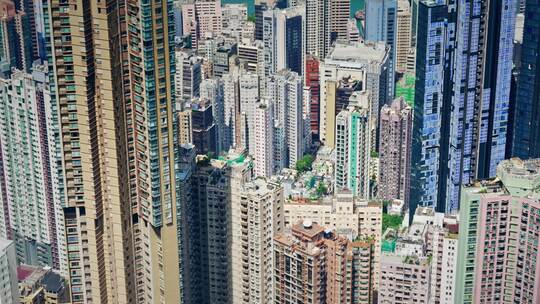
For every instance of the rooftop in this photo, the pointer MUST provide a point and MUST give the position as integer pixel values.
(358, 52)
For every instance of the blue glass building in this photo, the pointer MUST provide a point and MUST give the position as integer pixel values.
(526, 135)
(464, 70)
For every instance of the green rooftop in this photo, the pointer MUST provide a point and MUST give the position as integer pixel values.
(388, 245)
(238, 160)
(405, 88)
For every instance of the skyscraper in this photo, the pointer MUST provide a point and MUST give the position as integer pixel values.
(263, 132)
(32, 209)
(285, 89)
(366, 63)
(460, 120)
(526, 141)
(381, 25)
(249, 99)
(498, 246)
(326, 21)
(204, 130)
(115, 97)
(9, 292)
(395, 138)
(187, 76)
(403, 35)
(257, 216)
(283, 38)
(317, 27)
(353, 142)
(312, 81)
(200, 19)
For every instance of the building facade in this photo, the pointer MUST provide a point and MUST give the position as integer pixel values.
(32, 207)
(461, 120)
(395, 139)
(526, 134)
(353, 155)
(327, 268)
(9, 292)
(498, 247)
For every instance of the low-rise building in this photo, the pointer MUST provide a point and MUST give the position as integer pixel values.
(41, 285)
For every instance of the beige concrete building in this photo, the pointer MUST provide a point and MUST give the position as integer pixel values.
(116, 114)
(403, 35)
(363, 62)
(314, 265)
(404, 279)
(344, 214)
(256, 215)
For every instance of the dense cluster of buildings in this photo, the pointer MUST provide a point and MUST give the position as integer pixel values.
(300, 151)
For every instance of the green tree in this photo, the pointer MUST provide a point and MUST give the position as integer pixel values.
(304, 164)
(391, 221)
(251, 18)
(321, 189)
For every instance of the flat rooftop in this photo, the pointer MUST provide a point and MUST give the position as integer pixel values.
(358, 52)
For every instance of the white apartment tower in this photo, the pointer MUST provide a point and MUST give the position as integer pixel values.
(249, 100)
(324, 19)
(9, 291)
(263, 135)
(201, 19)
(285, 89)
(29, 182)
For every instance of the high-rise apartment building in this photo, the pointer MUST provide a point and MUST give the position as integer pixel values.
(460, 120)
(498, 247)
(257, 216)
(317, 27)
(340, 12)
(32, 208)
(403, 35)
(214, 183)
(285, 90)
(283, 38)
(324, 267)
(212, 90)
(115, 96)
(404, 279)
(346, 215)
(326, 22)
(203, 127)
(249, 100)
(526, 134)
(19, 45)
(353, 142)
(187, 77)
(200, 19)
(264, 140)
(312, 81)
(395, 139)
(366, 63)
(231, 110)
(381, 25)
